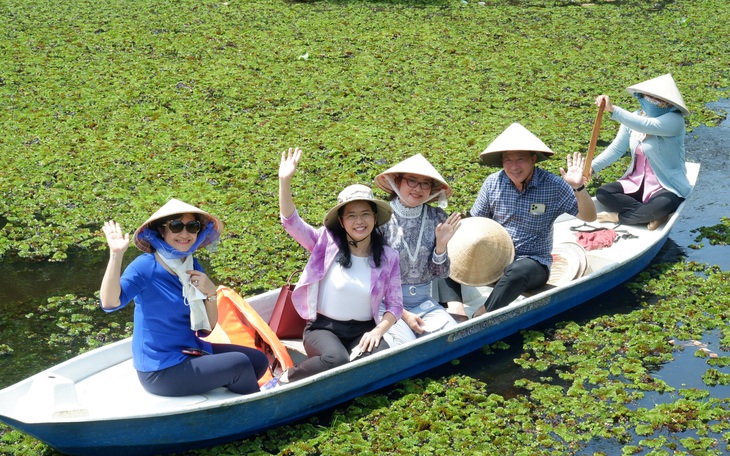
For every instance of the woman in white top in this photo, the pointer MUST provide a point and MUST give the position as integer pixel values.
(349, 274)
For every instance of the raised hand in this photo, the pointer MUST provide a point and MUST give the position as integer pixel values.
(574, 174)
(445, 231)
(118, 241)
(289, 162)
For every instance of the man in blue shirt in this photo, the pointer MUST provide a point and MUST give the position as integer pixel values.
(526, 200)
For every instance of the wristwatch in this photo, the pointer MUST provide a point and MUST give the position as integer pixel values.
(213, 298)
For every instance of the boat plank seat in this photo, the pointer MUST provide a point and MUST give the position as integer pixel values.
(122, 388)
(295, 347)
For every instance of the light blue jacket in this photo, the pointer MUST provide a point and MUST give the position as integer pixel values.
(663, 147)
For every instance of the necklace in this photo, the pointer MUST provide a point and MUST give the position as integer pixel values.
(412, 212)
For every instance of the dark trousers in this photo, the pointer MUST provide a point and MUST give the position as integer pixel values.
(521, 275)
(328, 344)
(630, 209)
(236, 367)
(524, 274)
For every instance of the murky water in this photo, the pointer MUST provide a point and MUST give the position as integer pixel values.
(710, 199)
(24, 288)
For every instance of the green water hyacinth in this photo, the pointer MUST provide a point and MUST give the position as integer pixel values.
(111, 108)
(111, 115)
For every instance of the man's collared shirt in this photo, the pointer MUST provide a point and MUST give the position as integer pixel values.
(527, 216)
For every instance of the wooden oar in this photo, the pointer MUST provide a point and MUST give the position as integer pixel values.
(594, 140)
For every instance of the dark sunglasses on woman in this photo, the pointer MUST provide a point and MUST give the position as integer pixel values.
(176, 226)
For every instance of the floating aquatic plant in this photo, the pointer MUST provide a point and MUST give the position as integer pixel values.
(110, 116)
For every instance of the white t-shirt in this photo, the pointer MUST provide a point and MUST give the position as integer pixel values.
(344, 293)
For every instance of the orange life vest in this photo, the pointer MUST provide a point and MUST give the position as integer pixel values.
(240, 324)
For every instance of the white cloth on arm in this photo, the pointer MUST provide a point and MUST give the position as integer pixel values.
(192, 296)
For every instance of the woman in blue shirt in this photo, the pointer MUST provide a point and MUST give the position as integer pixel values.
(175, 303)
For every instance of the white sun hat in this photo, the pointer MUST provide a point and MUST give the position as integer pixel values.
(357, 192)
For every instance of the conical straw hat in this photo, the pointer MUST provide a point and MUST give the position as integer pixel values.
(479, 251)
(662, 87)
(569, 262)
(173, 207)
(416, 164)
(514, 138)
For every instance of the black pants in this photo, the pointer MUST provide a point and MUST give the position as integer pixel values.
(328, 344)
(630, 209)
(524, 274)
(236, 367)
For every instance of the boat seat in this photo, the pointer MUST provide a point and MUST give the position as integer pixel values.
(295, 347)
(50, 396)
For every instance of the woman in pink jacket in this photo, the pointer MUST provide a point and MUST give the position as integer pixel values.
(349, 273)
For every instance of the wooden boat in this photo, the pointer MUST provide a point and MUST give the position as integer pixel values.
(94, 404)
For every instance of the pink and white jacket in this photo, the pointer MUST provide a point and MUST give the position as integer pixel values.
(385, 283)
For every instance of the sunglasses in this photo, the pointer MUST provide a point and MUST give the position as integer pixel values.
(176, 226)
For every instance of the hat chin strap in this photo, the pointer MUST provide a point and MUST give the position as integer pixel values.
(442, 201)
(354, 243)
